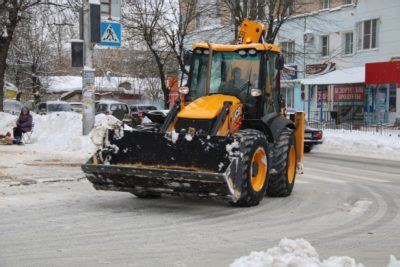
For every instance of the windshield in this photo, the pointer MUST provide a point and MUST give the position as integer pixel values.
(100, 108)
(231, 74)
(77, 105)
(59, 107)
(14, 106)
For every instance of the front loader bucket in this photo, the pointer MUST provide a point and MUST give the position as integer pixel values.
(158, 162)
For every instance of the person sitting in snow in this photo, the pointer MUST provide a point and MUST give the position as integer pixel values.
(24, 124)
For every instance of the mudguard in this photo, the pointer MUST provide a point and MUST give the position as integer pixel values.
(277, 124)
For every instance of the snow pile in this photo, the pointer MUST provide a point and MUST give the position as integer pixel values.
(54, 132)
(60, 131)
(7, 122)
(393, 262)
(366, 144)
(358, 207)
(102, 125)
(230, 147)
(174, 136)
(297, 252)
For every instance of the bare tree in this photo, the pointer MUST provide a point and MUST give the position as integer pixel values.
(273, 12)
(177, 21)
(143, 20)
(32, 49)
(12, 12)
(152, 88)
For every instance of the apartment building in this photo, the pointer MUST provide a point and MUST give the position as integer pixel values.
(336, 50)
(351, 46)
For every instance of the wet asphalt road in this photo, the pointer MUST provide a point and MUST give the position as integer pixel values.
(71, 224)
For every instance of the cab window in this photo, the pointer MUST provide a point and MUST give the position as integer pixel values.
(272, 94)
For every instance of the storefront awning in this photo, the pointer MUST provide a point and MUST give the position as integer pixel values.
(343, 76)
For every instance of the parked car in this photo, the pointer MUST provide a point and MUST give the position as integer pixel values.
(137, 112)
(53, 106)
(312, 136)
(13, 106)
(77, 106)
(111, 107)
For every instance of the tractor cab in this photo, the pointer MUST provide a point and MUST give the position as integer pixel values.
(248, 72)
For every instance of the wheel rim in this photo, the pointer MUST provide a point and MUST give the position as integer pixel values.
(292, 164)
(258, 169)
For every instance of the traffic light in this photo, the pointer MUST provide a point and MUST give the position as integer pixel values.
(77, 53)
(95, 21)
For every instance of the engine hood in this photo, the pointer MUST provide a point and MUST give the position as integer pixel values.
(206, 107)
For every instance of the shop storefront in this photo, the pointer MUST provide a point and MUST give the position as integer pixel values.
(337, 96)
(348, 101)
(382, 93)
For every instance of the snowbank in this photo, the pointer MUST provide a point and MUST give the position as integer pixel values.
(292, 253)
(299, 253)
(58, 132)
(366, 144)
(7, 122)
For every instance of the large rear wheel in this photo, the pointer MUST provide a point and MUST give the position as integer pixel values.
(255, 167)
(283, 170)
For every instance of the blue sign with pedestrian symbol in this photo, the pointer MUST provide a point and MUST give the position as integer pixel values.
(110, 33)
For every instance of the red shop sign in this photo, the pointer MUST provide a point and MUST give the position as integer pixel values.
(348, 93)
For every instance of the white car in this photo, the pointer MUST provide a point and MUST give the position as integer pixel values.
(77, 106)
(110, 107)
(53, 106)
(13, 107)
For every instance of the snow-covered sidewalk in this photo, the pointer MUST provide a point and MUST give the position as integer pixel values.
(56, 152)
(363, 144)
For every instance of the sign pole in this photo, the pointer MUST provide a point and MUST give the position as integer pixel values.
(88, 96)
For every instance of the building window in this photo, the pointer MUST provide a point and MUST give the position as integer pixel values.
(326, 4)
(348, 43)
(290, 8)
(288, 50)
(325, 46)
(288, 95)
(367, 34)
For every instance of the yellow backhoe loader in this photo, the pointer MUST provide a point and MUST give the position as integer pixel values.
(226, 136)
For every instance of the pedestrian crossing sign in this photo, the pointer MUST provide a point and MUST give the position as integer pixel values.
(110, 33)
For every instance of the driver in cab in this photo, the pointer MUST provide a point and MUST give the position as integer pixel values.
(236, 85)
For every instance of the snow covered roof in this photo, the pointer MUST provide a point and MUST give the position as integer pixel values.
(343, 76)
(10, 86)
(62, 84)
(108, 101)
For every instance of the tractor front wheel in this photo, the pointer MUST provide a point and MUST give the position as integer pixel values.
(254, 167)
(283, 170)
